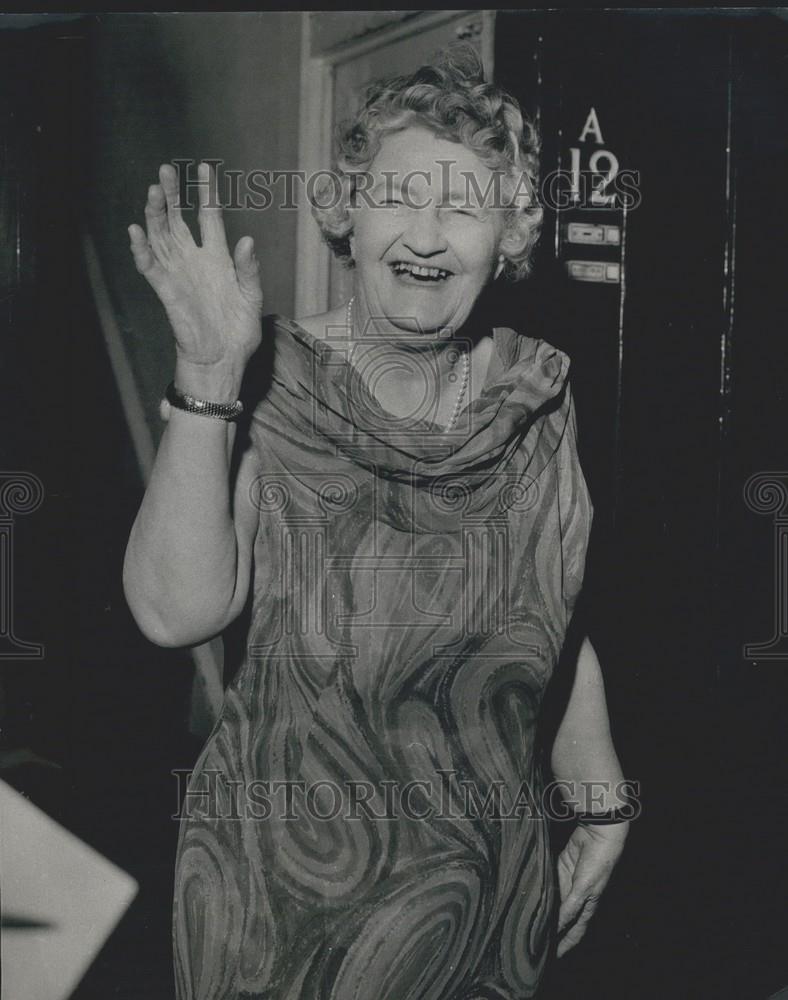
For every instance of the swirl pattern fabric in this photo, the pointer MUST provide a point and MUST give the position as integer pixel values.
(361, 822)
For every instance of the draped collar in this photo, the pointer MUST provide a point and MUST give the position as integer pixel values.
(324, 407)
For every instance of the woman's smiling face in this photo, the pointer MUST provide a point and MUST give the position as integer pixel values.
(423, 242)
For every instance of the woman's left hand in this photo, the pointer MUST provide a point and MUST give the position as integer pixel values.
(584, 868)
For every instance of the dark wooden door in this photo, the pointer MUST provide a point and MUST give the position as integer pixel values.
(679, 360)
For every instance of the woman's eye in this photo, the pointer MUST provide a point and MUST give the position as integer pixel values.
(391, 202)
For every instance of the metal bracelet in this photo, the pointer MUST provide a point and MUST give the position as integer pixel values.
(605, 818)
(202, 407)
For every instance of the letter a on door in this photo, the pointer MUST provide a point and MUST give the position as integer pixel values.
(592, 127)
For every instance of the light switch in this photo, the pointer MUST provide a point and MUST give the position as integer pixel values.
(591, 233)
(593, 270)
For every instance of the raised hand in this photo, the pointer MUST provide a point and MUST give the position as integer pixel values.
(213, 301)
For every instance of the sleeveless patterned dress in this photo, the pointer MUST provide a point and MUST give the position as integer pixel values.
(364, 821)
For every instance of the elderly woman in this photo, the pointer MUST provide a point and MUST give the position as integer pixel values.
(405, 511)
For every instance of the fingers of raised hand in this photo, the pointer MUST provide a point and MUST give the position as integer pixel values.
(210, 211)
(166, 228)
(165, 224)
(168, 178)
(247, 270)
(144, 258)
(156, 219)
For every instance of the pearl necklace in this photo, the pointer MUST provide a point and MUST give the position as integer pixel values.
(466, 373)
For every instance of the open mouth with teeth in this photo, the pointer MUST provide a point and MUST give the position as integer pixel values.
(419, 272)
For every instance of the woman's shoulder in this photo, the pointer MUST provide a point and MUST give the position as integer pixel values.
(290, 354)
(321, 324)
(308, 334)
(521, 351)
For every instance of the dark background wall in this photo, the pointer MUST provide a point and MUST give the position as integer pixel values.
(680, 380)
(679, 373)
(89, 729)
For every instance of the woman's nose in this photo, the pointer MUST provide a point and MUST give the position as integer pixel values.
(424, 235)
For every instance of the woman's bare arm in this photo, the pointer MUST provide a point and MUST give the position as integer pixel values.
(585, 761)
(188, 560)
(583, 750)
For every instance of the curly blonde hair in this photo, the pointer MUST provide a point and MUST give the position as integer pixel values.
(452, 100)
